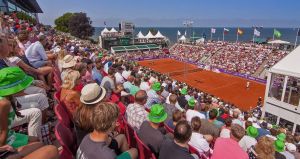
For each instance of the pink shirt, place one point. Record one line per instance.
(227, 148)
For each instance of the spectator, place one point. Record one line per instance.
(279, 148)
(176, 117)
(69, 96)
(225, 132)
(109, 84)
(213, 114)
(154, 95)
(94, 145)
(224, 147)
(264, 149)
(118, 76)
(68, 65)
(190, 113)
(249, 140)
(177, 149)
(91, 94)
(197, 140)
(235, 116)
(97, 72)
(182, 101)
(149, 131)
(170, 108)
(136, 113)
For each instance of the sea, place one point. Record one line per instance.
(287, 34)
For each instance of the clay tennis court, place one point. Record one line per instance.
(230, 88)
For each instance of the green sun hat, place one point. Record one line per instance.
(157, 114)
(183, 91)
(156, 86)
(252, 131)
(13, 80)
(279, 145)
(281, 137)
(192, 102)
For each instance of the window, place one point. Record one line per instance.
(297, 131)
(270, 118)
(11, 7)
(292, 93)
(286, 124)
(276, 87)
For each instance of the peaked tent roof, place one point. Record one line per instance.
(182, 38)
(105, 30)
(149, 35)
(289, 65)
(159, 35)
(113, 30)
(140, 35)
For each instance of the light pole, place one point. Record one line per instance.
(188, 24)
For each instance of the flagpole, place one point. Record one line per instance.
(210, 35)
(273, 36)
(237, 36)
(296, 38)
(223, 35)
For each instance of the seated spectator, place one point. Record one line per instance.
(197, 140)
(190, 113)
(176, 117)
(69, 96)
(87, 78)
(37, 55)
(292, 149)
(144, 84)
(263, 131)
(249, 139)
(118, 76)
(228, 148)
(135, 112)
(279, 149)
(170, 108)
(91, 94)
(149, 132)
(182, 101)
(264, 149)
(235, 116)
(97, 144)
(128, 84)
(97, 72)
(178, 148)
(69, 62)
(108, 83)
(154, 95)
(134, 88)
(225, 131)
(213, 118)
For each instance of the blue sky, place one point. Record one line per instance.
(204, 13)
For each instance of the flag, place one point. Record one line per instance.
(277, 33)
(204, 35)
(256, 32)
(240, 31)
(105, 23)
(213, 30)
(178, 33)
(226, 30)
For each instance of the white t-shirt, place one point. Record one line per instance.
(36, 52)
(119, 78)
(12, 61)
(125, 74)
(199, 143)
(225, 133)
(145, 86)
(246, 142)
(193, 113)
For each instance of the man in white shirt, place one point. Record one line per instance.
(190, 113)
(37, 55)
(249, 140)
(126, 72)
(118, 76)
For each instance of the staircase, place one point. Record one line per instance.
(261, 71)
(207, 59)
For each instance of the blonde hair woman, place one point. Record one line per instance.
(69, 96)
(264, 149)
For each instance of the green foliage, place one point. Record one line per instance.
(24, 16)
(153, 31)
(80, 26)
(62, 22)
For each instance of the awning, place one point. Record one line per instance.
(134, 48)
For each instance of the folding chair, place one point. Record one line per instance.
(66, 139)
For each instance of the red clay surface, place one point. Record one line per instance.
(230, 88)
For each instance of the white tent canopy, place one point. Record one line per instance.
(150, 35)
(159, 35)
(113, 30)
(140, 35)
(278, 42)
(105, 30)
(289, 65)
(182, 38)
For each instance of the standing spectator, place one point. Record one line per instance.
(228, 148)
(136, 113)
(178, 148)
(149, 132)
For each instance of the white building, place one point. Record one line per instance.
(283, 92)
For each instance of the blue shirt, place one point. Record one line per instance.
(96, 75)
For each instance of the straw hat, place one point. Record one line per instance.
(69, 61)
(92, 93)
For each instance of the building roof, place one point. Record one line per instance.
(289, 65)
(31, 5)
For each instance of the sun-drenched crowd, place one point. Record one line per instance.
(106, 106)
(244, 58)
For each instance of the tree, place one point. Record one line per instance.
(153, 31)
(62, 22)
(80, 26)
